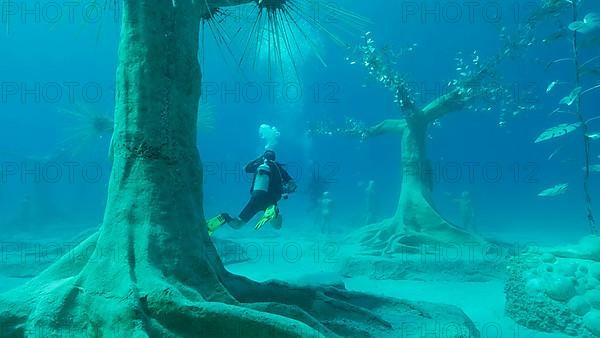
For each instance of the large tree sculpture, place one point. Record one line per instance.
(151, 269)
(416, 221)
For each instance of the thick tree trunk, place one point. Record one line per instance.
(155, 193)
(416, 221)
(415, 184)
(151, 270)
(416, 210)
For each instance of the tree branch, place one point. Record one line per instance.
(387, 127)
(451, 102)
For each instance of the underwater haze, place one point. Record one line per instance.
(300, 168)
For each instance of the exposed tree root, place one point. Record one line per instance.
(76, 297)
(392, 236)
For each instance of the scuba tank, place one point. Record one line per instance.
(261, 182)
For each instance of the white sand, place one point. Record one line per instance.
(316, 260)
(483, 302)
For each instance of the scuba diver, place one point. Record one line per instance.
(271, 183)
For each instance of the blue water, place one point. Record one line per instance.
(55, 166)
(86, 54)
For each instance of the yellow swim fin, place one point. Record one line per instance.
(215, 223)
(271, 213)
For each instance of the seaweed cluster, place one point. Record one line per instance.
(351, 127)
(477, 87)
(477, 84)
(380, 65)
(581, 28)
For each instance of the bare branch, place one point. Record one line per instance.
(448, 103)
(387, 127)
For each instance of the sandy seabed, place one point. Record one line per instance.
(318, 259)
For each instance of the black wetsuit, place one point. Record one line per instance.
(261, 200)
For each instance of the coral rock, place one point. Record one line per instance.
(592, 322)
(560, 289)
(579, 305)
(593, 298)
